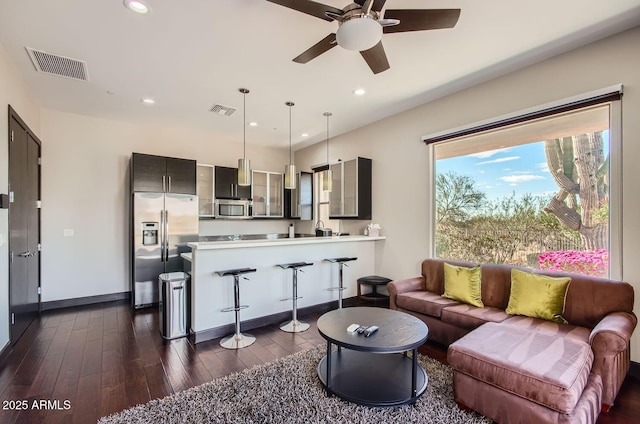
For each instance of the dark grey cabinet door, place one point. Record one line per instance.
(181, 176)
(159, 174)
(226, 184)
(148, 173)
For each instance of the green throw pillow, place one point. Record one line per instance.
(537, 296)
(463, 284)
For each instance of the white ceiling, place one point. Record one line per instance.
(190, 55)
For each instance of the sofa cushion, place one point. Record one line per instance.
(536, 365)
(537, 296)
(574, 332)
(469, 317)
(463, 284)
(424, 302)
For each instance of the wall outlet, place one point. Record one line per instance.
(68, 232)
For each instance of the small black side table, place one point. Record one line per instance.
(374, 281)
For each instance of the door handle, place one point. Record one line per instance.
(164, 188)
(169, 184)
(166, 235)
(162, 236)
(25, 254)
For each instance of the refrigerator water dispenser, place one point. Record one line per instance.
(150, 233)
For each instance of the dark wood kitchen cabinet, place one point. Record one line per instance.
(226, 184)
(162, 174)
(350, 197)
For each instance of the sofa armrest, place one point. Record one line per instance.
(404, 286)
(613, 333)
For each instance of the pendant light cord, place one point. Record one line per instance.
(244, 125)
(290, 105)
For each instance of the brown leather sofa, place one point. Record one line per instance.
(517, 369)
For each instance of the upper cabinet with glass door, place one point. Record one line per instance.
(351, 194)
(205, 190)
(268, 194)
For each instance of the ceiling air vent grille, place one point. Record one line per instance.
(58, 65)
(222, 110)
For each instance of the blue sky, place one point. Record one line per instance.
(499, 173)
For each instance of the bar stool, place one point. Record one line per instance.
(236, 340)
(294, 326)
(340, 288)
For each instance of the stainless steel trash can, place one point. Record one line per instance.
(173, 288)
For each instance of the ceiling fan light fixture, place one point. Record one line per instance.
(359, 33)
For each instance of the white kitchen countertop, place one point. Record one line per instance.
(237, 244)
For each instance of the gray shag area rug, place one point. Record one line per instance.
(289, 391)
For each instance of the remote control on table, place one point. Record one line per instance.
(361, 329)
(369, 331)
(352, 328)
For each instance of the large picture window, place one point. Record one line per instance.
(535, 193)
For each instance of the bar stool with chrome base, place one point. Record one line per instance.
(294, 326)
(341, 287)
(236, 340)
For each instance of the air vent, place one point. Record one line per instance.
(58, 65)
(222, 110)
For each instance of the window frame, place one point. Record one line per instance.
(611, 95)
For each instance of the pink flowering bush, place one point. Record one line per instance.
(587, 262)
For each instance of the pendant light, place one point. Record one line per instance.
(327, 175)
(290, 170)
(244, 164)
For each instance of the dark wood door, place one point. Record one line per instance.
(148, 172)
(181, 176)
(24, 226)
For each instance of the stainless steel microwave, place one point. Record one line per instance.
(232, 209)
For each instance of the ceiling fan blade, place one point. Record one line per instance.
(317, 49)
(376, 58)
(421, 19)
(309, 7)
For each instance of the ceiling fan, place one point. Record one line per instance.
(361, 26)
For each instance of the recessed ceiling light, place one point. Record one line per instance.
(137, 6)
(359, 91)
(148, 101)
(304, 135)
(253, 124)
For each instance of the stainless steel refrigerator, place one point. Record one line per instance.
(163, 224)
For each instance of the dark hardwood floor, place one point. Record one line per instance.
(92, 361)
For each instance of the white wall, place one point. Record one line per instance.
(401, 166)
(12, 92)
(85, 186)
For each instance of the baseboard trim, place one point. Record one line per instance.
(634, 370)
(280, 317)
(88, 300)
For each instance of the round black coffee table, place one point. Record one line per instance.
(375, 370)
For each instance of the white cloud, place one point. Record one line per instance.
(499, 160)
(488, 153)
(514, 179)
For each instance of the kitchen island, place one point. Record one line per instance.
(266, 288)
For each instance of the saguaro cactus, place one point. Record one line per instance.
(579, 167)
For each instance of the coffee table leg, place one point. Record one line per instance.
(414, 372)
(328, 366)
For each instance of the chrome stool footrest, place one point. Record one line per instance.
(233, 308)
